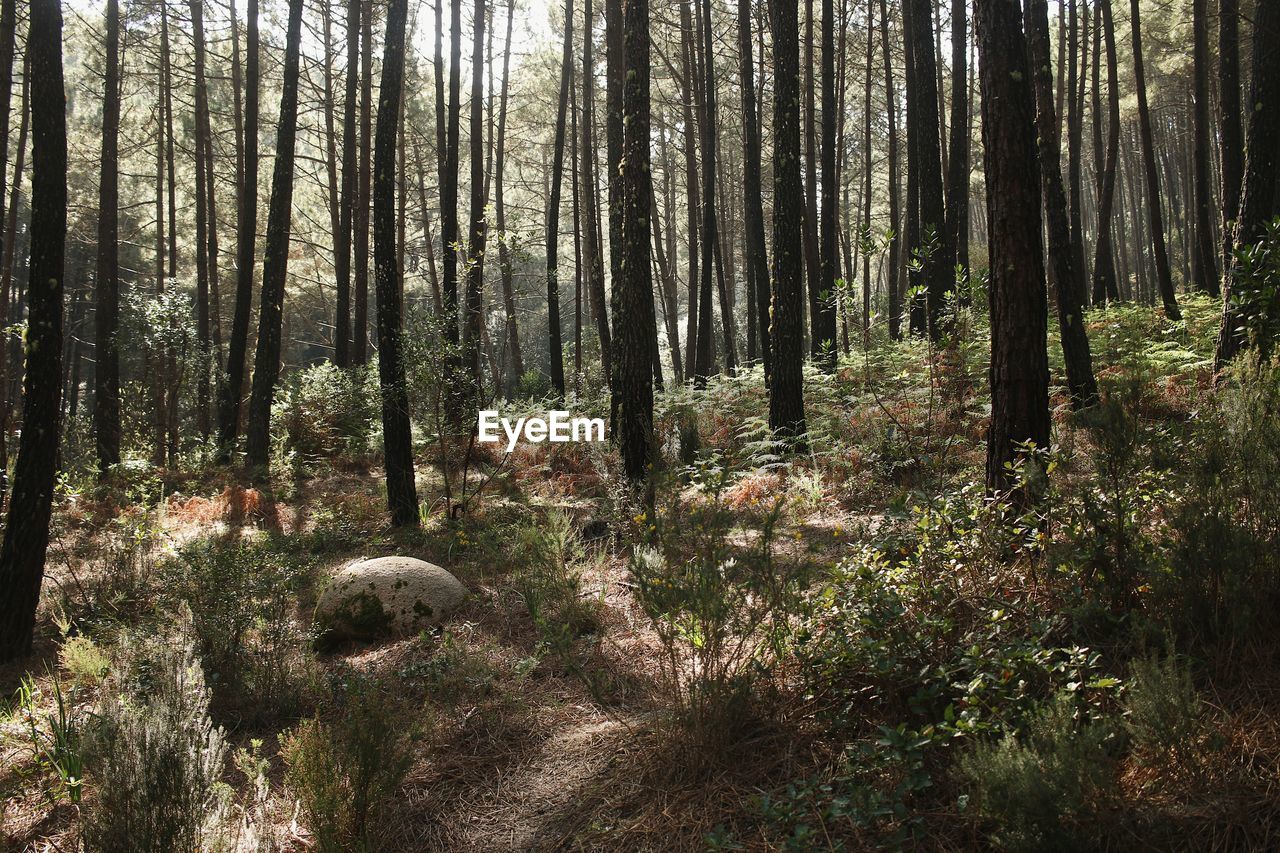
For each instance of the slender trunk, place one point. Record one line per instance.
(812, 261)
(692, 196)
(8, 36)
(360, 297)
(895, 240)
(1205, 271)
(1232, 134)
(342, 239)
(828, 246)
(592, 250)
(1075, 340)
(957, 212)
(402, 495)
(266, 368)
(755, 253)
(106, 397)
(1076, 76)
(479, 231)
(246, 237)
(516, 359)
(923, 117)
(26, 534)
(1104, 269)
(202, 222)
(1164, 278)
(556, 346)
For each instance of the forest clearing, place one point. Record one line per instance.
(834, 426)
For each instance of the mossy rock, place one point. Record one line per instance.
(386, 597)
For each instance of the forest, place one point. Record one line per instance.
(655, 425)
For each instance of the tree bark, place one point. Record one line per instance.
(828, 224)
(592, 250)
(1164, 278)
(1258, 197)
(1205, 268)
(633, 378)
(957, 212)
(26, 535)
(895, 240)
(342, 240)
(479, 232)
(275, 263)
(516, 359)
(556, 346)
(106, 397)
(924, 120)
(246, 238)
(756, 255)
(1232, 133)
(1104, 269)
(360, 297)
(1075, 340)
(786, 389)
(1019, 371)
(402, 495)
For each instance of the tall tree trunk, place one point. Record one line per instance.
(342, 240)
(895, 240)
(1075, 340)
(1019, 372)
(275, 263)
(957, 213)
(246, 237)
(516, 359)
(1104, 267)
(1164, 278)
(693, 199)
(633, 378)
(705, 363)
(786, 387)
(26, 534)
(1076, 76)
(449, 185)
(106, 397)
(556, 346)
(828, 246)
(202, 221)
(402, 495)
(8, 37)
(1258, 199)
(1232, 133)
(592, 250)
(866, 186)
(479, 232)
(812, 261)
(360, 329)
(756, 255)
(1205, 270)
(923, 119)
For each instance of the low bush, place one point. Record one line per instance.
(155, 756)
(346, 767)
(325, 410)
(1043, 789)
(1164, 714)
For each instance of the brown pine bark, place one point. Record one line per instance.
(402, 495)
(478, 235)
(275, 263)
(1075, 340)
(828, 246)
(556, 345)
(246, 238)
(895, 241)
(786, 389)
(633, 377)
(342, 240)
(1164, 278)
(106, 397)
(26, 534)
(755, 253)
(1019, 371)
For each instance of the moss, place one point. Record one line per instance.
(359, 615)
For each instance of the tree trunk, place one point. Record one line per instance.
(824, 323)
(360, 327)
(923, 119)
(1164, 278)
(1258, 198)
(1104, 269)
(203, 224)
(516, 359)
(402, 495)
(1019, 372)
(786, 388)
(1232, 134)
(1076, 75)
(106, 397)
(26, 534)
(478, 233)
(342, 240)
(1075, 340)
(592, 250)
(895, 241)
(556, 346)
(633, 378)
(1205, 269)
(957, 213)
(275, 263)
(756, 255)
(246, 237)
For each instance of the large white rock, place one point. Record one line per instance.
(387, 596)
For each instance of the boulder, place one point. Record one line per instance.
(386, 597)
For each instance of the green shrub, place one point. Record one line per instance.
(722, 610)
(1043, 789)
(57, 741)
(243, 597)
(155, 756)
(83, 660)
(1163, 712)
(325, 410)
(346, 767)
(550, 578)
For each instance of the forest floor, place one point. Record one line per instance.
(522, 741)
